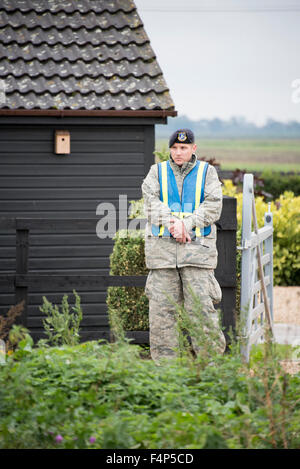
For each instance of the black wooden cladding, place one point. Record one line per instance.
(105, 161)
(109, 156)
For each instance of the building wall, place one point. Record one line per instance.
(105, 161)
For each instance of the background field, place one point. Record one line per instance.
(250, 154)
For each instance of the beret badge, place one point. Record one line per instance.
(182, 136)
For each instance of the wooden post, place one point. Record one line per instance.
(245, 306)
(21, 292)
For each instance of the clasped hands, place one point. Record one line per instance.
(178, 231)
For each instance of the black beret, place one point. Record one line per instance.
(182, 136)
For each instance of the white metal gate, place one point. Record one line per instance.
(256, 272)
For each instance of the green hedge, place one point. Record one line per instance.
(128, 258)
(276, 183)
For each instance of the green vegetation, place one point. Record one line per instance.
(109, 395)
(276, 184)
(261, 166)
(62, 327)
(128, 258)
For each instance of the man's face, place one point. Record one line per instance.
(182, 152)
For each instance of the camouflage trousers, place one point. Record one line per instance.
(164, 287)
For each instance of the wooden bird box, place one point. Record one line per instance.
(62, 141)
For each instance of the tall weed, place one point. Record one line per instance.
(62, 327)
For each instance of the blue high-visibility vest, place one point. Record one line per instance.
(192, 195)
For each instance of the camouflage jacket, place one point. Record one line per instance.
(166, 252)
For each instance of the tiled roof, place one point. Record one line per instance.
(78, 54)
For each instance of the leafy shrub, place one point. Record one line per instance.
(137, 209)
(128, 258)
(286, 237)
(62, 327)
(276, 183)
(163, 154)
(286, 220)
(16, 334)
(100, 395)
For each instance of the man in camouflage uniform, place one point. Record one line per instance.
(180, 259)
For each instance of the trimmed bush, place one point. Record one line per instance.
(128, 258)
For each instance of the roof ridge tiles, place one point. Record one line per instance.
(68, 6)
(92, 10)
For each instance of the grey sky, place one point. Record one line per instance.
(232, 62)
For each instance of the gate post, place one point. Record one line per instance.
(257, 255)
(246, 260)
